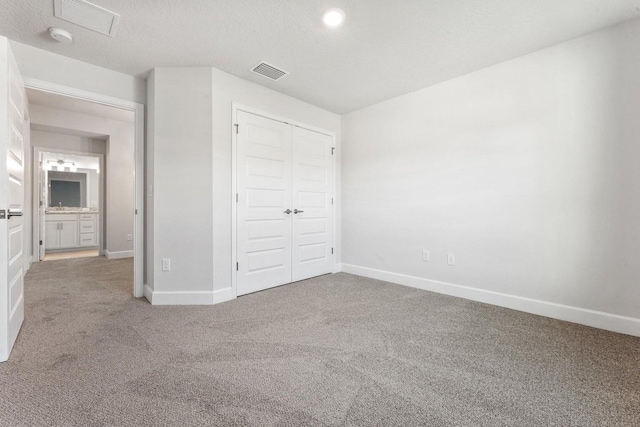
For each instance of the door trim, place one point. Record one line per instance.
(235, 107)
(138, 109)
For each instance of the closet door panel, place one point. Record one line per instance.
(264, 171)
(312, 193)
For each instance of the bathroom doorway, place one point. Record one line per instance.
(71, 197)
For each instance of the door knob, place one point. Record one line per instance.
(296, 211)
(288, 211)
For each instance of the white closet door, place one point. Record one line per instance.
(312, 192)
(264, 195)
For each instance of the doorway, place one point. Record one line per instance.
(284, 201)
(70, 190)
(113, 228)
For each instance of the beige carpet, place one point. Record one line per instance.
(336, 350)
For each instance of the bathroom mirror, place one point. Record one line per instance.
(67, 189)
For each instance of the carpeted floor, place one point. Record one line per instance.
(335, 350)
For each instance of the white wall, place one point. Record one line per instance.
(179, 147)
(189, 157)
(50, 67)
(149, 218)
(119, 203)
(53, 141)
(527, 171)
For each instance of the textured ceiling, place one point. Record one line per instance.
(46, 99)
(383, 50)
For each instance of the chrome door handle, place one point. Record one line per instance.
(296, 211)
(288, 211)
(14, 213)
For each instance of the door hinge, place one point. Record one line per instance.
(136, 211)
(40, 242)
(237, 266)
(237, 126)
(332, 150)
(237, 198)
(331, 251)
(332, 200)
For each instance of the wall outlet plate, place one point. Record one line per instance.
(166, 264)
(426, 257)
(451, 259)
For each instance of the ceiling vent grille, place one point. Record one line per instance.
(87, 15)
(268, 71)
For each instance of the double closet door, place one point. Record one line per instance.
(284, 203)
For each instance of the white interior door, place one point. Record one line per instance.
(12, 252)
(284, 214)
(263, 199)
(312, 200)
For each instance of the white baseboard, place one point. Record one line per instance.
(118, 255)
(148, 293)
(224, 295)
(181, 298)
(189, 297)
(596, 319)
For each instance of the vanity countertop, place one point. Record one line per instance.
(70, 211)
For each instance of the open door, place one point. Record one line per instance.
(12, 197)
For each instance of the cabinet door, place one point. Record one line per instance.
(69, 234)
(51, 235)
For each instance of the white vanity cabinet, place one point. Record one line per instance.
(52, 235)
(70, 230)
(87, 230)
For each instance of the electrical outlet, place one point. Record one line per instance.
(426, 257)
(129, 237)
(451, 259)
(166, 264)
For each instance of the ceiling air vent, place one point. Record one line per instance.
(87, 15)
(268, 71)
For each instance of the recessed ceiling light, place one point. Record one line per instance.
(60, 35)
(333, 17)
